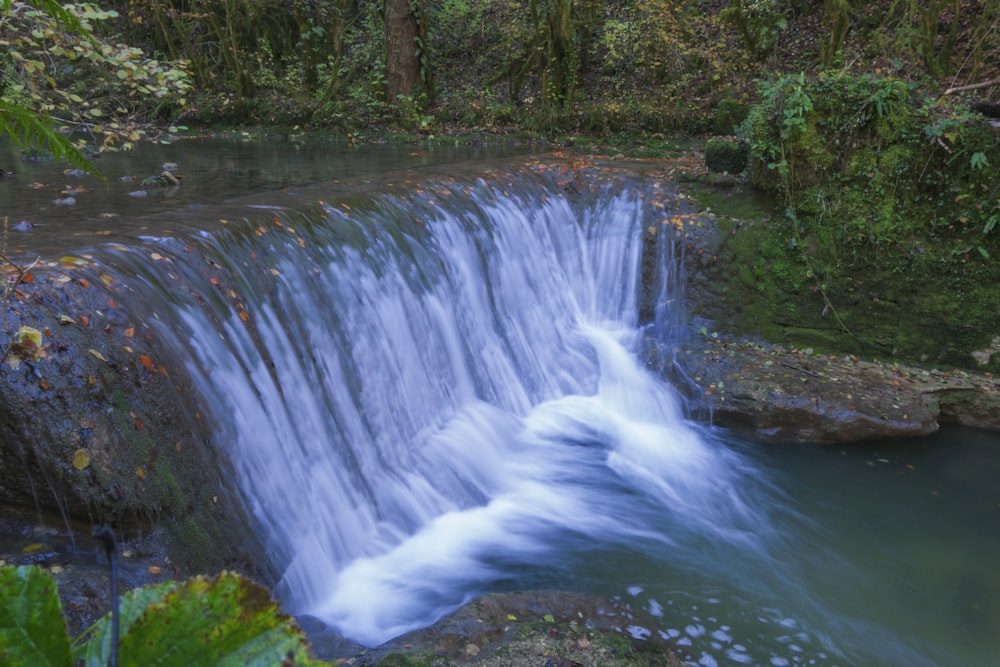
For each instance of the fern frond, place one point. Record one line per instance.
(31, 130)
(55, 9)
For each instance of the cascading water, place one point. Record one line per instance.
(437, 395)
(425, 409)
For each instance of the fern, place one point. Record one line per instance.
(55, 9)
(31, 130)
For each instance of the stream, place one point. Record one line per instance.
(429, 387)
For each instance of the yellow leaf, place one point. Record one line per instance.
(97, 354)
(140, 472)
(157, 256)
(32, 547)
(29, 337)
(81, 459)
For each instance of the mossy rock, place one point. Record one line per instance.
(727, 154)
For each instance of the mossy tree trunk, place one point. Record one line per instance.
(406, 61)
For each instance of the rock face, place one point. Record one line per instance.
(776, 394)
(95, 425)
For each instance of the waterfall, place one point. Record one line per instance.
(429, 395)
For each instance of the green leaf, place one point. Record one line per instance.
(226, 621)
(94, 646)
(32, 630)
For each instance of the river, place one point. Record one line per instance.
(441, 396)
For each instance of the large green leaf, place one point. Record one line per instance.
(94, 646)
(32, 630)
(225, 621)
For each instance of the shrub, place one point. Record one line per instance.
(724, 154)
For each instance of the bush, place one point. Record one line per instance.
(729, 114)
(724, 154)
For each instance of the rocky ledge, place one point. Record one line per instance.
(527, 629)
(772, 393)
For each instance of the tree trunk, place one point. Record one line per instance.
(402, 63)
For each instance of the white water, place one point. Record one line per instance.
(421, 416)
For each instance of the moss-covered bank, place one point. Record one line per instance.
(882, 241)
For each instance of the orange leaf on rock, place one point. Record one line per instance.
(147, 362)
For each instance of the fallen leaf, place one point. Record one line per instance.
(81, 459)
(147, 362)
(154, 569)
(97, 354)
(130, 332)
(66, 319)
(32, 548)
(29, 338)
(140, 472)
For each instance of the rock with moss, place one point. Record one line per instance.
(95, 423)
(884, 242)
(532, 629)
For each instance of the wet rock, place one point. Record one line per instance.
(786, 395)
(95, 427)
(530, 629)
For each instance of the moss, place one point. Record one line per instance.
(729, 114)
(414, 659)
(728, 155)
